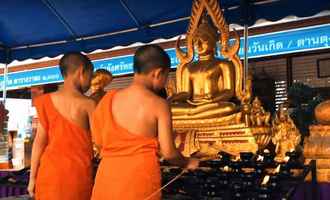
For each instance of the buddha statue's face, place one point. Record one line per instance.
(205, 39)
(256, 103)
(204, 44)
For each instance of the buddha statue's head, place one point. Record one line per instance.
(256, 103)
(283, 114)
(205, 38)
(101, 78)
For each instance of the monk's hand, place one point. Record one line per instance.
(192, 164)
(31, 187)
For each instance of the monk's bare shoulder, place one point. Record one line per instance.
(90, 104)
(87, 103)
(158, 103)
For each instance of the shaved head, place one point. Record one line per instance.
(71, 61)
(150, 57)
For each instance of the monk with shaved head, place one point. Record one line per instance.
(131, 126)
(61, 167)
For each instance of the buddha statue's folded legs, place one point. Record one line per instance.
(218, 109)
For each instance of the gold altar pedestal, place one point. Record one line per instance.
(207, 137)
(317, 147)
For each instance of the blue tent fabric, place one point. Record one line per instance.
(38, 28)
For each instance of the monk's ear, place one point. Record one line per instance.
(152, 73)
(81, 70)
(158, 72)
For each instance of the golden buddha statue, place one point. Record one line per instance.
(259, 116)
(206, 86)
(101, 78)
(286, 136)
(205, 118)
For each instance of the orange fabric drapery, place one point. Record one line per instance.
(65, 170)
(129, 168)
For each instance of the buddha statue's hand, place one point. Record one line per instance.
(179, 97)
(209, 98)
(225, 95)
(200, 102)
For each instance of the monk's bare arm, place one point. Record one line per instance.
(165, 136)
(38, 148)
(90, 108)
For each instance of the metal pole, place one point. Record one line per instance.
(246, 61)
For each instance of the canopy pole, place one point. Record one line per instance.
(5, 77)
(246, 61)
(4, 87)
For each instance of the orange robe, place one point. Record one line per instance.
(129, 169)
(65, 171)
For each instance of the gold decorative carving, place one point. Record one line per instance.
(286, 136)
(259, 117)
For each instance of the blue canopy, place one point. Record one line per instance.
(39, 28)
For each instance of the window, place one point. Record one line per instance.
(323, 68)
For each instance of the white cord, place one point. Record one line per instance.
(167, 184)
